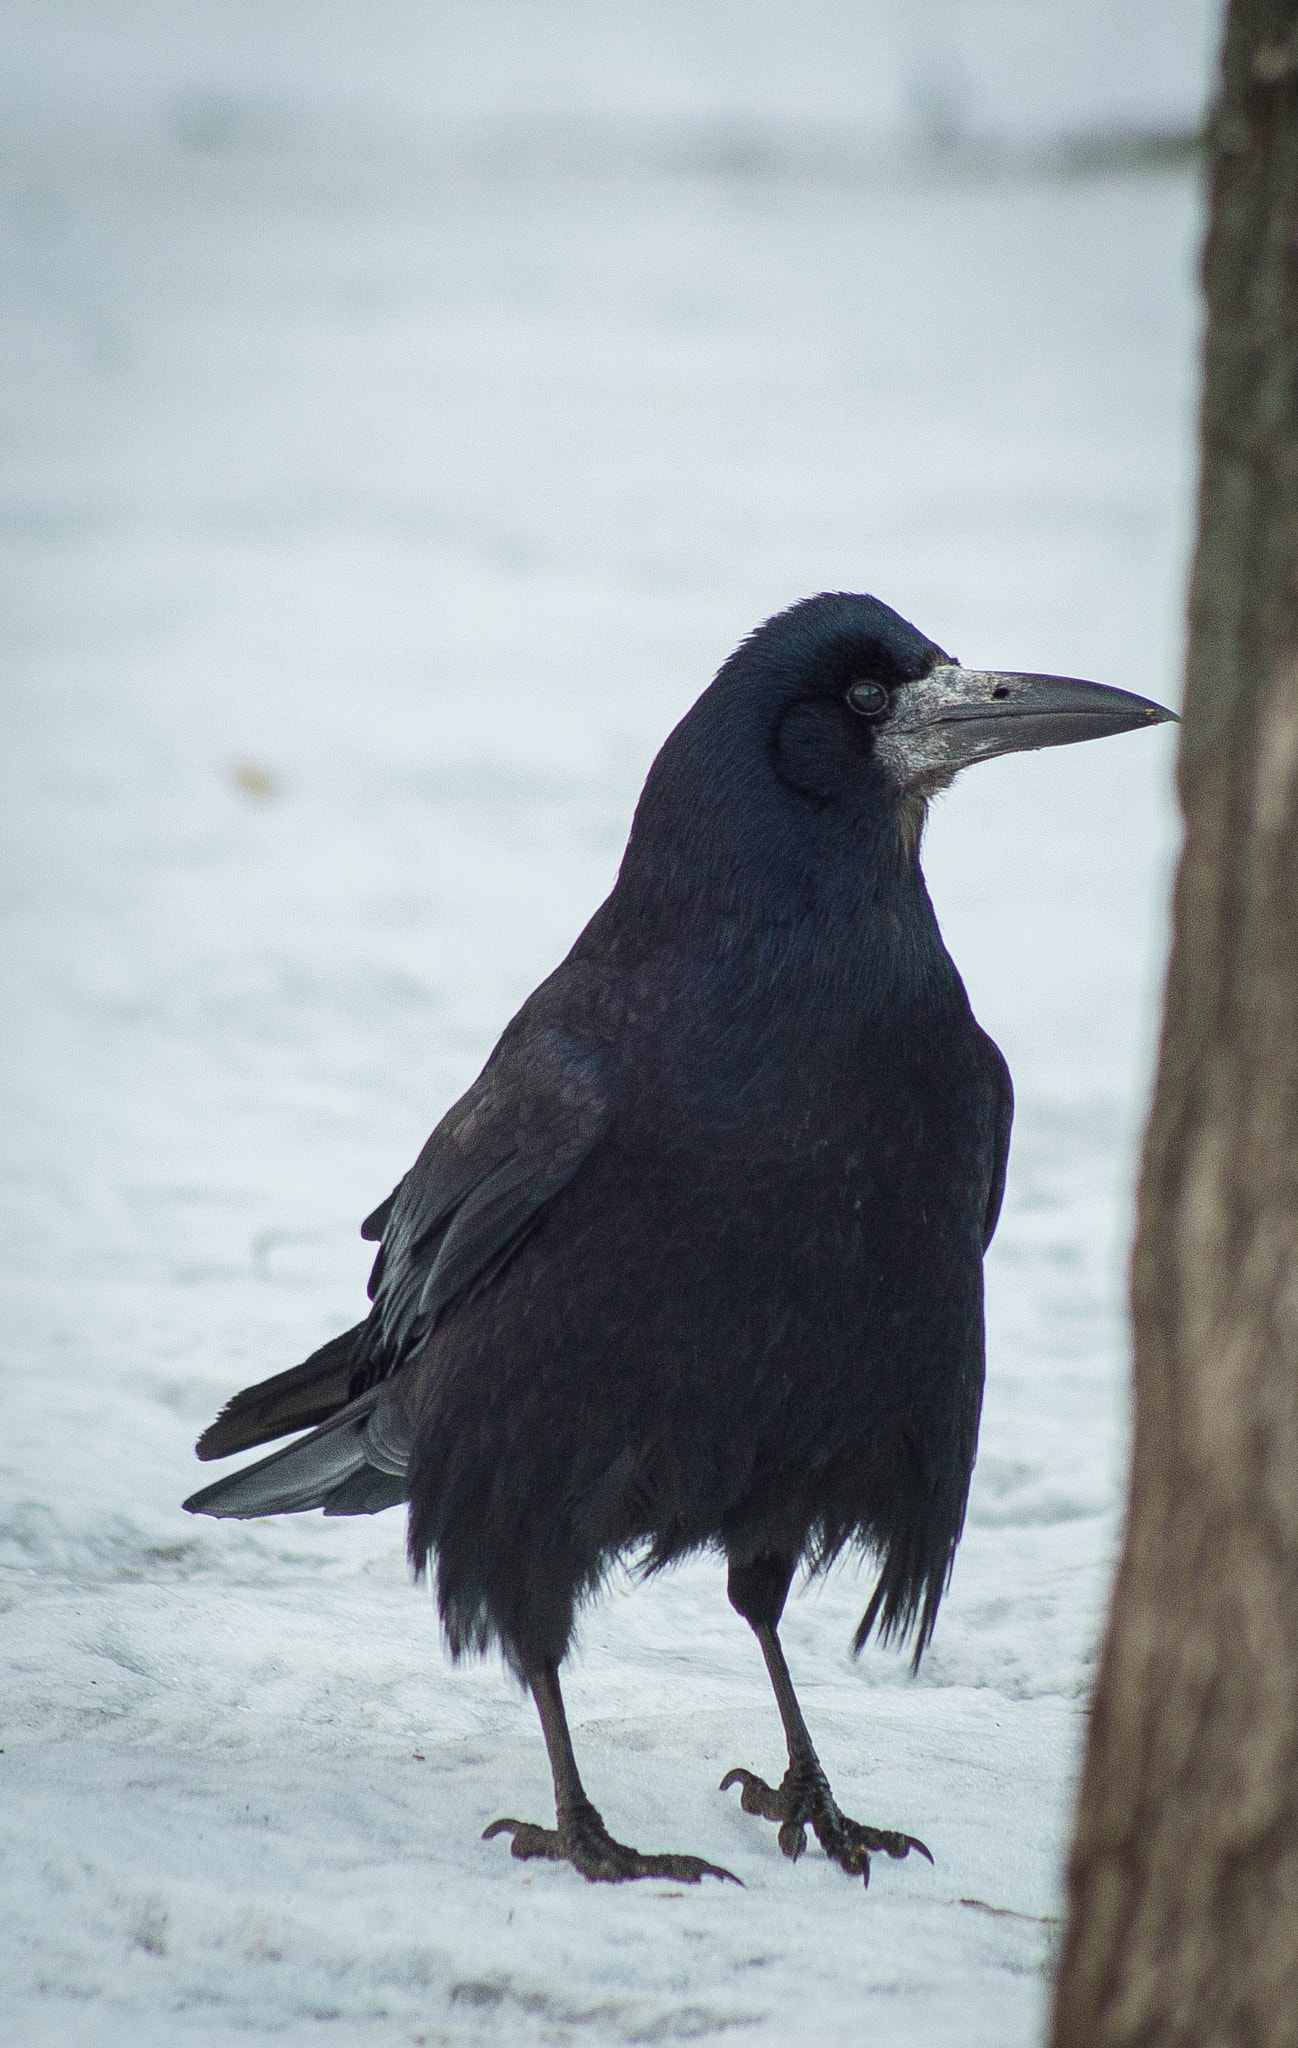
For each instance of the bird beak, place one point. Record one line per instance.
(954, 716)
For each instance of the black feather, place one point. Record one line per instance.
(367, 1492)
(376, 1222)
(298, 1399)
(300, 1477)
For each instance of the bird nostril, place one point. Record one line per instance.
(1001, 690)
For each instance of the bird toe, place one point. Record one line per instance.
(528, 1839)
(756, 1796)
(803, 1799)
(792, 1839)
(590, 1848)
(851, 1845)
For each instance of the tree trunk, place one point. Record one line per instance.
(1184, 1875)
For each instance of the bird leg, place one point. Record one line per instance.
(581, 1838)
(803, 1793)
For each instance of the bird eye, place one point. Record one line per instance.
(868, 699)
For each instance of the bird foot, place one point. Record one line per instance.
(586, 1843)
(804, 1796)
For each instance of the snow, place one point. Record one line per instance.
(366, 528)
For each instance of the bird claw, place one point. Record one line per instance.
(756, 1795)
(803, 1796)
(587, 1844)
(792, 1839)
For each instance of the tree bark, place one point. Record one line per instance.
(1183, 1882)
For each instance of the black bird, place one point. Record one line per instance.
(696, 1263)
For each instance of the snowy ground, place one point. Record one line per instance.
(364, 534)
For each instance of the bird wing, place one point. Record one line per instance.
(478, 1188)
(476, 1192)
(1001, 1156)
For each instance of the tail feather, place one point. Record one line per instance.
(336, 1467)
(327, 1469)
(300, 1398)
(367, 1492)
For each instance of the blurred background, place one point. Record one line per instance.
(404, 410)
(709, 80)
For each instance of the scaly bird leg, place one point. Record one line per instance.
(803, 1794)
(581, 1837)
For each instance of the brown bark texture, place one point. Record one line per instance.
(1183, 1920)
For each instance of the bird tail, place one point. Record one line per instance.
(354, 1464)
(916, 1573)
(301, 1398)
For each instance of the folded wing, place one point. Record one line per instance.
(478, 1190)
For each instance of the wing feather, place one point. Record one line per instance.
(491, 1167)
(475, 1194)
(1001, 1159)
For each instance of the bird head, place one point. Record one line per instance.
(838, 720)
(861, 684)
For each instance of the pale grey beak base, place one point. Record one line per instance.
(954, 716)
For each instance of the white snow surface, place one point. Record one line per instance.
(364, 534)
